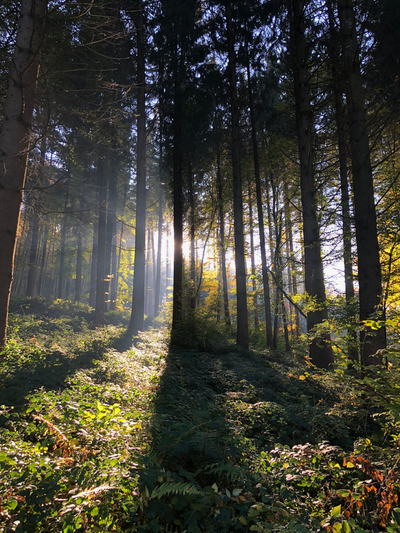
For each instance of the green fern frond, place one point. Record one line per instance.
(231, 471)
(173, 488)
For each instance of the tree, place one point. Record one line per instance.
(369, 268)
(15, 138)
(137, 316)
(242, 337)
(320, 350)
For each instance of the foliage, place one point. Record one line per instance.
(182, 439)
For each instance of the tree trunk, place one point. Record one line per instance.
(266, 289)
(93, 266)
(78, 273)
(253, 262)
(32, 267)
(320, 350)
(177, 302)
(43, 259)
(369, 268)
(101, 283)
(62, 250)
(242, 337)
(192, 288)
(159, 243)
(136, 323)
(222, 237)
(15, 139)
(344, 186)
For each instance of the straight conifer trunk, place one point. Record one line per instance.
(369, 268)
(15, 139)
(43, 259)
(320, 350)
(222, 238)
(93, 266)
(192, 289)
(101, 284)
(136, 323)
(62, 250)
(264, 268)
(177, 298)
(78, 272)
(159, 244)
(344, 184)
(32, 268)
(242, 337)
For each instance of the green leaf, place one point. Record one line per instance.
(336, 511)
(95, 511)
(12, 504)
(346, 527)
(236, 492)
(243, 520)
(337, 528)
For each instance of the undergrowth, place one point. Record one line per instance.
(187, 439)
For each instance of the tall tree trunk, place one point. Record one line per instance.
(369, 268)
(192, 289)
(111, 226)
(93, 266)
(261, 231)
(101, 283)
(15, 139)
(222, 237)
(320, 350)
(242, 337)
(78, 272)
(43, 259)
(62, 250)
(177, 299)
(159, 243)
(32, 267)
(253, 261)
(344, 185)
(136, 323)
(291, 265)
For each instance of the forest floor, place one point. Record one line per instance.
(97, 437)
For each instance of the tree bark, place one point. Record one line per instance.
(62, 250)
(222, 238)
(78, 272)
(320, 350)
(43, 259)
(344, 185)
(261, 231)
(253, 262)
(101, 283)
(177, 299)
(136, 323)
(15, 139)
(369, 268)
(32, 267)
(242, 337)
(192, 288)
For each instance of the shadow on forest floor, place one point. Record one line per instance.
(212, 408)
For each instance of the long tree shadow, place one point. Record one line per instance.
(215, 413)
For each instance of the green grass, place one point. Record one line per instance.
(174, 439)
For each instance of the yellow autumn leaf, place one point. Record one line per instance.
(302, 378)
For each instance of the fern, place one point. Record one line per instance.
(231, 471)
(173, 488)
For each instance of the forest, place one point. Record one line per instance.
(199, 266)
